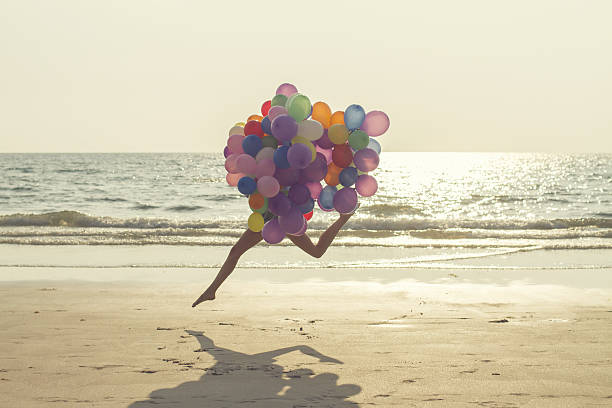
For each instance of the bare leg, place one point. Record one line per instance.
(326, 238)
(247, 241)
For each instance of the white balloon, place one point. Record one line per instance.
(265, 153)
(237, 130)
(310, 129)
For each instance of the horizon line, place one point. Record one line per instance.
(386, 151)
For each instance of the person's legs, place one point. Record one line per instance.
(325, 240)
(247, 241)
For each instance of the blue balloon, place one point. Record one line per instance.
(280, 157)
(374, 145)
(326, 198)
(348, 176)
(252, 144)
(307, 206)
(247, 185)
(266, 125)
(353, 117)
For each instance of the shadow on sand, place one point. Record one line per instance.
(254, 380)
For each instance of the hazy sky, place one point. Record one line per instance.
(125, 75)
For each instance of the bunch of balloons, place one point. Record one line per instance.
(279, 159)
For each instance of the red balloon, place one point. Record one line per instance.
(253, 127)
(308, 215)
(266, 107)
(342, 156)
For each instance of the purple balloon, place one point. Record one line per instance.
(279, 204)
(292, 222)
(302, 230)
(284, 128)
(324, 141)
(286, 89)
(299, 156)
(345, 200)
(226, 152)
(272, 233)
(299, 194)
(366, 185)
(315, 171)
(286, 177)
(366, 160)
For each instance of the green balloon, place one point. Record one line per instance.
(298, 106)
(358, 139)
(279, 100)
(269, 141)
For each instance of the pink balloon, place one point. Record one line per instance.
(246, 164)
(234, 142)
(232, 178)
(366, 160)
(345, 200)
(265, 167)
(366, 185)
(325, 152)
(268, 186)
(230, 164)
(276, 111)
(375, 123)
(272, 233)
(286, 89)
(315, 189)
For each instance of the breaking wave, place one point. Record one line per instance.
(77, 219)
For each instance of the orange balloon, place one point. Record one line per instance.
(255, 117)
(337, 117)
(334, 169)
(321, 112)
(256, 201)
(332, 179)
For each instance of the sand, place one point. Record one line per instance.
(305, 338)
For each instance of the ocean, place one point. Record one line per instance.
(461, 204)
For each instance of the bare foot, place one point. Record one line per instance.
(207, 295)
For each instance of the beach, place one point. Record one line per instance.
(469, 279)
(76, 336)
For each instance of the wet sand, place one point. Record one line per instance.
(305, 338)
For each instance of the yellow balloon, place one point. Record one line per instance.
(308, 143)
(256, 222)
(239, 124)
(338, 134)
